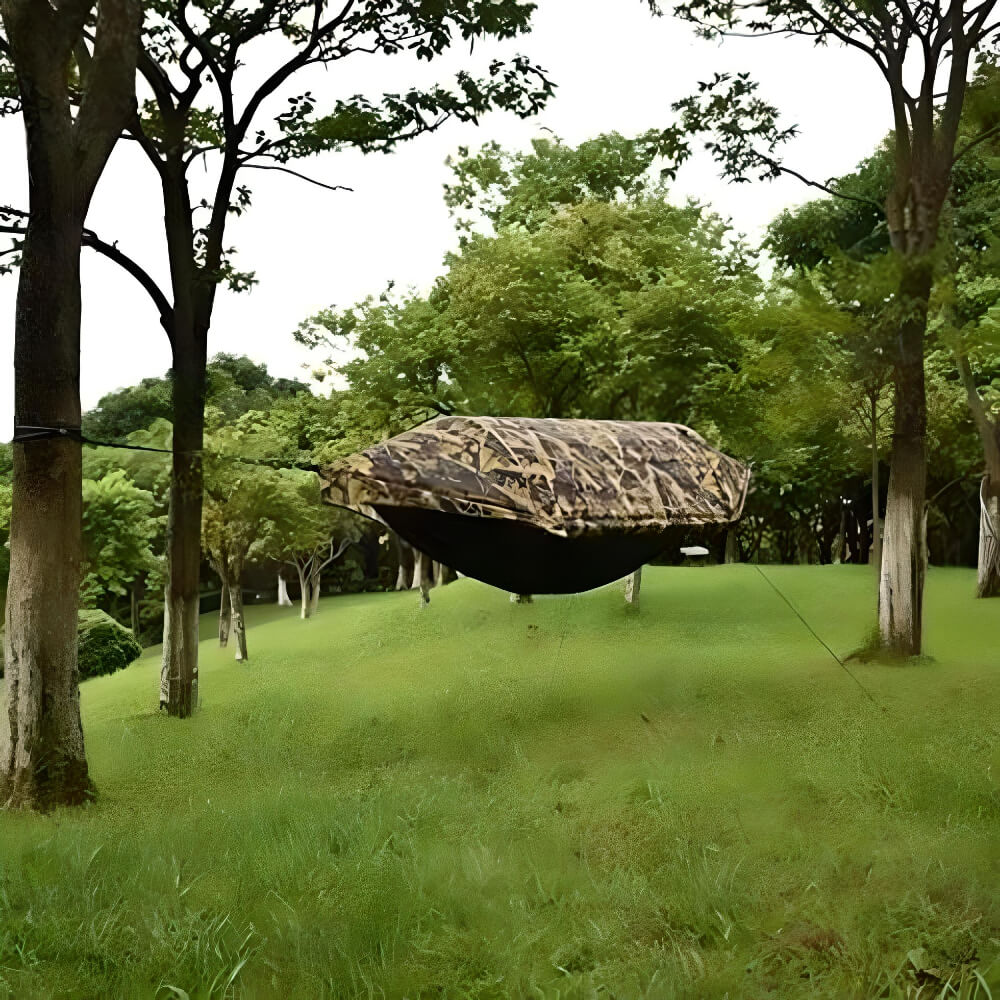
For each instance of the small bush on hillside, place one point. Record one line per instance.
(105, 646)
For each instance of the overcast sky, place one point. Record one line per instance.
(616, 69)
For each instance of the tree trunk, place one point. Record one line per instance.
(875, 553)
(192, 309)
(304, 603)
(632, 586)
(225, 613)
(732, 546)
(239, 625)
(419, 560)
(988, 576)
(137, 592)
(42, 757)
(284, 601)
(422, 576)
(179, 670)
(901, 585)
(404, 577)
(314, 593)
(838, 551)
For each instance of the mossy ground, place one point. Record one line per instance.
(562, 799)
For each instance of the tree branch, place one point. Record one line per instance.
(969, 146)
(295, 173)
(111, 251)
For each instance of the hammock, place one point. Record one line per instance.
(540, 506)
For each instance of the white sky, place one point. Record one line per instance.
(616, 69)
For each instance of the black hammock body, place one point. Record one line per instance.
(537, 506)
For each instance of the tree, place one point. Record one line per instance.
(608, 309)
(204, 109)
(316, 536)
(972, 299)
(119, 528)
(233, 384)
(240, 507)
(745, 136)
(76, 97)
(851, 236)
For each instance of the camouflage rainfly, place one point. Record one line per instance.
(541, 506)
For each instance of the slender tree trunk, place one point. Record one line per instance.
(284, 601)
(189, 346)
(901, 585)
(632, 587)
(137, 592)
(179, 670)
(732, 546)
(314, 593)
(225, 613)
(422, 576)
(875, 553)
(304, 602)
(988, 575)
(838, 551)
(239, 623)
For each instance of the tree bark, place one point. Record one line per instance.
(732, 546)
(988, 575)
(632, 587)
(304, 602)
(239, 624)
(875, 553)
(404, 555)
(284, 601)
(225, 613)
(314, 593)
(422, 576)
(901, 585)
(42, 758)
(179, 670)
(137, 592)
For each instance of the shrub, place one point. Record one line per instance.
(105, 646)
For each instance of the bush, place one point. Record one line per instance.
(105, 646)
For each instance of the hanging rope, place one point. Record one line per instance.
(843, 666)
(24, 433)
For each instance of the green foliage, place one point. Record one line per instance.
(105, 646)
(518, 188)
(601, 308)
(234, 385)
(560, 799)
(119, 528)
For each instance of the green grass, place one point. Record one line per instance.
(559, 800)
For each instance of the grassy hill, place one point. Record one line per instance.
(565, 799)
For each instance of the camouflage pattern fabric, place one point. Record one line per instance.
(571, 478)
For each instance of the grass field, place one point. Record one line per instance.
(559, 800)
